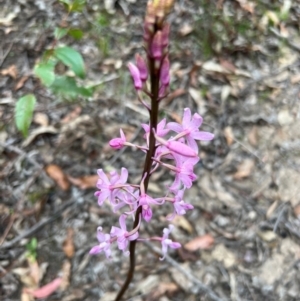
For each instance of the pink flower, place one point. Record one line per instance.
(189, 129)
(135, 74)
(109, 189)
(118, 143)
(180, 207)
(123, 236)
(184, 172)
(160, 131)
(145, 200)
(104, 240)
(125, 197)
(166, 242)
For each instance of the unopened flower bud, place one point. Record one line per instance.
(135, 73)
(141, 65)
(156, 46)
(150, 13)
(165, 72)
(118, 143)
(165, 35)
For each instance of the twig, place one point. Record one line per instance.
(18, 206)
(6, 53)
(22, 153)
(290, 43)
(202, 287)
(38, 226)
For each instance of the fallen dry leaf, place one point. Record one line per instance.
(34, 271)
(227, 65)
(253, 136)
(200, 243)
(247, 6)
(297, 211)
(7, 21)
(68, 246)
(66, 272)
(182, 222)
(41, 119)
(199, 100)
(85, 181)
(186, 29)
(72, 115)
(224, 255)
(295, 79)
(45, 290)
(228, 133)
(164, 288)
(39, 131)
(244, 169)
(212, 66)
(26, 297)
(57, 174)
(21, 82)
(11, 71)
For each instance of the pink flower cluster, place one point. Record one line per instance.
(168, 145)
(179, 154)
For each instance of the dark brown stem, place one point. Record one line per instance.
(154, 79)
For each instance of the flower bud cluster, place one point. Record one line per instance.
(178, 154)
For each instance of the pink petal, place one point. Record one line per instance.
(196, 121)
(95, 250)
(186, 117)
(174, 126)
(147, 213)
(146, 127)
(133, 236)
(122, 135)
(124, 175)
(192, 143)
(175, 245)
(122, 222)
(103, 176)
(103, 196)
(100, 235)
(115, 231)
(204, 136)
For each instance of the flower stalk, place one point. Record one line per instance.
(181, 149)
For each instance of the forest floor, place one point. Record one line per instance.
(236, 63)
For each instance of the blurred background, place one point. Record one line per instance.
(65, 91)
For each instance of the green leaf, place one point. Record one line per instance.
(45, 72)
(77, 5)
(60, 32)
(23, 113)
(71, 58)
(67, 88)
(77, 34)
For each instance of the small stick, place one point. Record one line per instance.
(202, 287)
